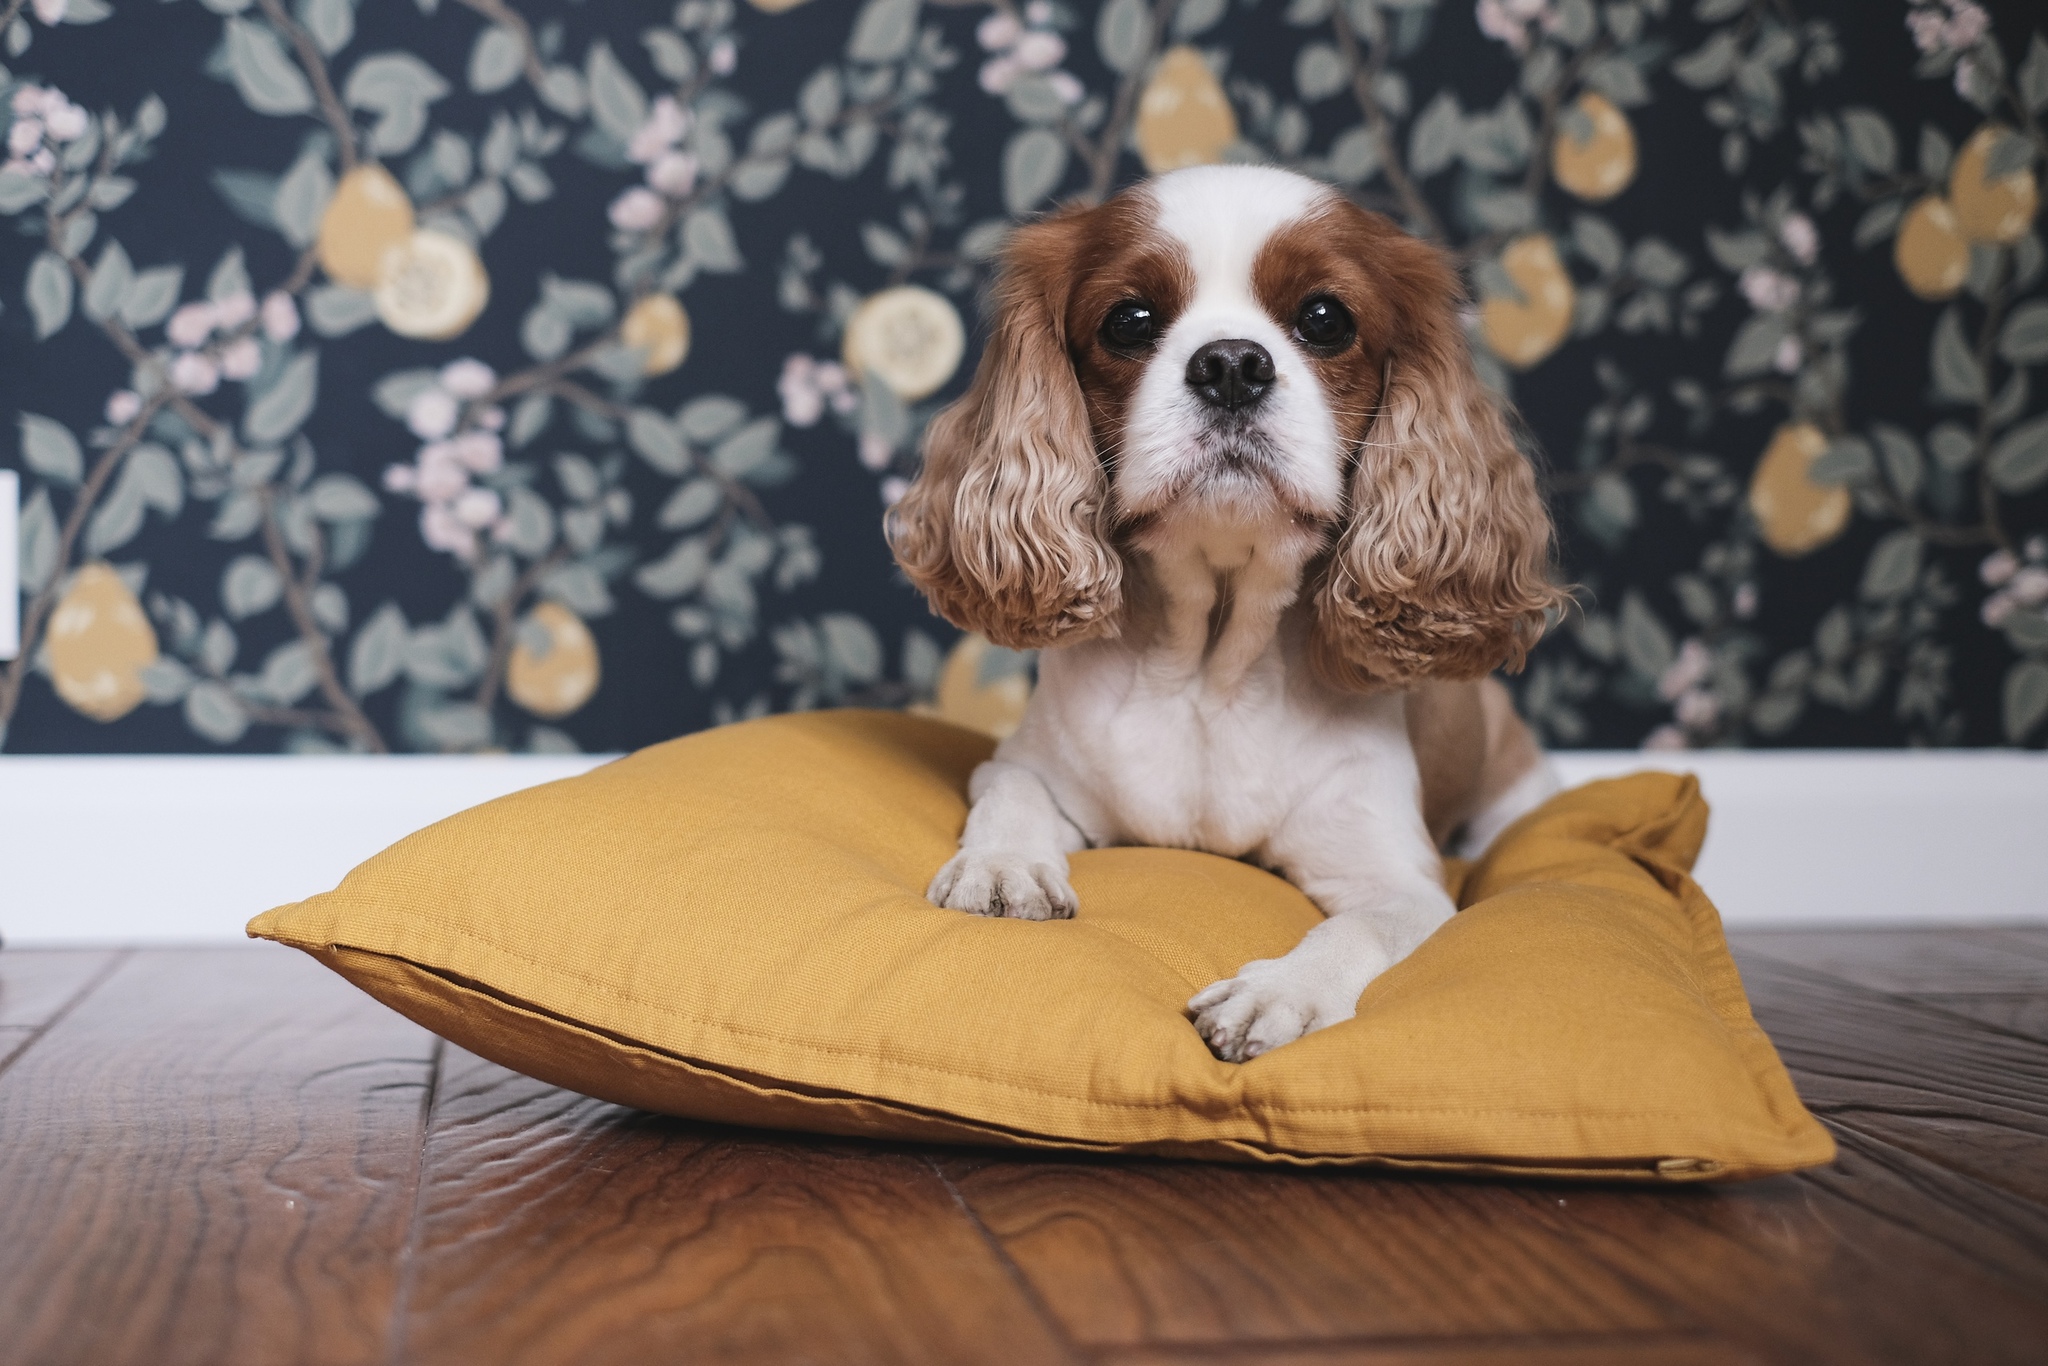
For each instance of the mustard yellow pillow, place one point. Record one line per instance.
(732, 926)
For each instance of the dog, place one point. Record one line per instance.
(1227, 464)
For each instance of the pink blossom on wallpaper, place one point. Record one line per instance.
(482, 452)
(876, 452)
(1039, 51)
(432, 414)
(1787, 358)
(401, 478)
(1686, 670)
(1998, 566)
(673, 174)
(280, 316)
(998, 31)
(2029, 586)
(478, 508)
(236, 309)
(1745, 603)
(468, 377)
(122, 406)
(1768, 290)
(1996, 609)
(1067, 86)
(1697, 710)
(241, 358)
(24, 137)
(51, 12)
(998, 74)
(442, 530)
(666, 123)
(191, 325)
(1665, 738)
(808, 384)
(1800, 237)
(441, 476)
(192, 373)
(637, 210)
(893, 489)
(724, 58)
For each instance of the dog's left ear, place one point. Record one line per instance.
(1443, 569)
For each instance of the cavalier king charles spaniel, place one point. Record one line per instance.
(1227, 464)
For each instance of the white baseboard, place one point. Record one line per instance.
(164, 848)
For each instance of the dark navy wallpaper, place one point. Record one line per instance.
(522, 374)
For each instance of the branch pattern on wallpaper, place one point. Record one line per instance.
(1773, 549)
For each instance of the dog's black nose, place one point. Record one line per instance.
(1230, 374)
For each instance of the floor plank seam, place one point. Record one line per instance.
(37, 1032)
(1016, 1274)
(401, 1300)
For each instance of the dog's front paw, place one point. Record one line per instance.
(999, 884)
(1270, 1002)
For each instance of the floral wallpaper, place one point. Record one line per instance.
(458, 375)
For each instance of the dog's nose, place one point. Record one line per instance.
(1230, 374)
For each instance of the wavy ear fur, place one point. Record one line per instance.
(1443, 570)
(1004, 529)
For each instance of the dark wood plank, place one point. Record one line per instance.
(1907, 961)
(1969, 1098)
(554, 1228)
(1154, 1252)
(209, 1160)
(35, 984)
(1606, 1351)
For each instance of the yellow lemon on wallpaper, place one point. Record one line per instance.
(993, 706)
(367, 217)
(1600, 165)
(1795, 514)
(776, 6)
(99, 644)
(909, 338)
(1523, 331)
(1930, 252)
(554, 667)
(431, 287)
(1990, 210)
(1184, 118)
(660, 330)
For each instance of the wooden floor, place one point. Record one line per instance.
(230, 1156)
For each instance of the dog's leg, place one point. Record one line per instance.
(1364, 857)
(1013, 854)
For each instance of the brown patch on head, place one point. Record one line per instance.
(1006, 529)
(1442, 570)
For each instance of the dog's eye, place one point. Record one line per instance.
(1131, 325)
(1324, 323)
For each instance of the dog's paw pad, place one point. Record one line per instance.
(1004, 885)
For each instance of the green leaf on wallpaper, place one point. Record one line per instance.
(2025, 695)
(2033, 75)
(1433, 140)
(1123, 34)
(397, 87)
(378, 651)
(579, 588)
(337, 310)
(1904, 467)
(50, 293)
(1319, 72)
(278, 411)
(48, 448)
(1871, 140)
(1620, 80)
(1879, 221)
(656, 441)
(690, 505)
(884, 31)
(2019, 462)
(532, 523)
(330, 23)
(289, 673)
(561, 89)
(708, 233)
(1034, 162)
(2024, 338)
(671, 56)
(268, 80)
(448, 655)
(108, 283)
(240, 513)
(1847, 460)
(1196, 17)
(1354, 156)
(215, 712)
(342, 498)
(18, 191)
(301, 197)
(704, 420)
(617, 102)
(1755, 345)
(115, 521)
(330, 607)
(39, 536)
(495, 60)
(744, 452)
(1034, 99)
(167, 680)
(152, 295)
(250, 584)
(1957, 376)
(677, 572)
(395, 392)
(1645, 644)
(249, 194)
(529, 418)
(1893, 566)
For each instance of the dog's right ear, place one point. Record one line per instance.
(1004, 529)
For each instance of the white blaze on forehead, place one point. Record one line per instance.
(1222, 215)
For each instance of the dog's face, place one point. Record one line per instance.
(1233, 342)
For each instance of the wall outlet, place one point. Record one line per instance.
(10, 564)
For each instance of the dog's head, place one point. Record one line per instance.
(1233, 342)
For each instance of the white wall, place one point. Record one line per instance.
(180, 848)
